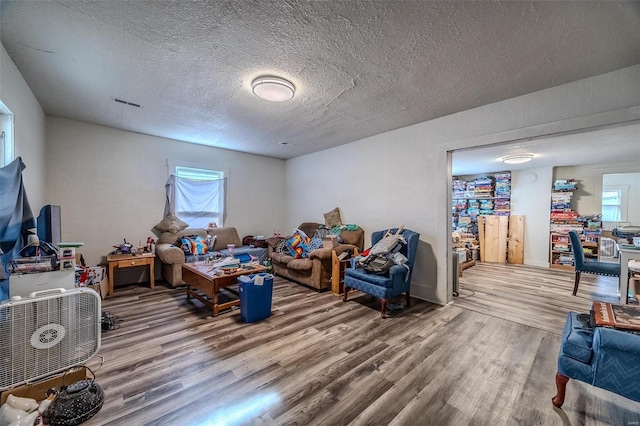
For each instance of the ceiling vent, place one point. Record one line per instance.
(120, 101)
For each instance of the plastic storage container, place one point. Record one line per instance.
(256, 291)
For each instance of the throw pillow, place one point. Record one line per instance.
(298, 244)
(315, 244)
(281, 247)
(332, 218)
(194, 244)
(171, 223)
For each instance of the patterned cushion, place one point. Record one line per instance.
(322, 232)
(315, 244)
(298, 244)
(281, 247)
(194, 244)
(332, 218)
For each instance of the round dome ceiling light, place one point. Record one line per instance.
(273, 89)
(517, 158)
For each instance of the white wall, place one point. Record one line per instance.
(29, 129)
(402, 176)
(531, 197)
(110, 184)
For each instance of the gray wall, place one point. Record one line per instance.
(111, 184)
(410, 173)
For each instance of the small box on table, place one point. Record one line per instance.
(330, 241)
(67, 253)
(68, 264)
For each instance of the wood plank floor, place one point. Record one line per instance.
(538, 297)
(320, 361)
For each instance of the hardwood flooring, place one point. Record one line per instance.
(538, 297)
(487, 359)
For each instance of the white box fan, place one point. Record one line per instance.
(46, 333)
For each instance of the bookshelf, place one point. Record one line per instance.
(565, 219)
(481, 196)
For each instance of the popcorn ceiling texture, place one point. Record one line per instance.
(360, 67)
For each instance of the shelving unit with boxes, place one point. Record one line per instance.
(488, 195)
(565, 219)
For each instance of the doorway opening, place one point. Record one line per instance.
(586, 155)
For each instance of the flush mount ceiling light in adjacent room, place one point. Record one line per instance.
(273, 89)
(517, 158)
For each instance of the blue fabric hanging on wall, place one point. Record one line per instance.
(16, 217)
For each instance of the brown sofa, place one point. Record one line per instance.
(315, 270)
(171, 256)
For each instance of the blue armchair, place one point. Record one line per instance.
(381, 286)
(604, 357)
(590, 267)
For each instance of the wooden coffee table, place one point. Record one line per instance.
(200, 276)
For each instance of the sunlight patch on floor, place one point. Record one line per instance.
(242, 412)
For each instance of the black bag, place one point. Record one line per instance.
(76, 403)
(379, 265)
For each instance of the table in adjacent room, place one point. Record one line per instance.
(626, 253)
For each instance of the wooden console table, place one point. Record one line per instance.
(120, 261)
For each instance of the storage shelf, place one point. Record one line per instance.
(590, 242)
(481, 198)
(479, 195)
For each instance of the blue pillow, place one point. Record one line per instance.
(194, 244)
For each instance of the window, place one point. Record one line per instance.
(7, 154)
(614, 203)
(198, 174)
(200, 196)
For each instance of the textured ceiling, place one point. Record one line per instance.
(604, 145)
(360, 67)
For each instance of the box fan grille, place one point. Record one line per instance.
(48, 333)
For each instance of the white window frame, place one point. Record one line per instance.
(198, 174)
(617, 210)
(201, 219)
(7, 147)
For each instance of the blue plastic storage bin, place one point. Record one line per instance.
(255, 299)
